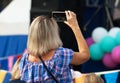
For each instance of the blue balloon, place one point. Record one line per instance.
(107, 44)
(117, 38)
(95, 52)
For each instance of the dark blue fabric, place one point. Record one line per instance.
(4, 64)
(98, 20)
(118, 79)
(11, 45)
(95, 66)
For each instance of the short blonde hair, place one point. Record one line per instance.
(92, 78)
(43, 35)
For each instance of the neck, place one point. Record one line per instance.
(47, 56)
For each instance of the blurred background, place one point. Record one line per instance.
(99, 21)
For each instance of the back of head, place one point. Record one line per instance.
(93, 78)
(43, 35)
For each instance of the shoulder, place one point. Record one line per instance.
(65, 55)
(65, 50)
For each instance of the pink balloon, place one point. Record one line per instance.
(89, 41)
(116, 54)
(108, 61)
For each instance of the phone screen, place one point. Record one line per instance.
(59, 16)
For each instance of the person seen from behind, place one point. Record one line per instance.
(44, 41)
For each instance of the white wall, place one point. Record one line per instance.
(15, 18)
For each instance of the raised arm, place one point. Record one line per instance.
(83, 54)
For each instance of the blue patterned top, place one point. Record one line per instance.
(35, 72)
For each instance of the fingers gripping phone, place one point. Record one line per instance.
(59, 16)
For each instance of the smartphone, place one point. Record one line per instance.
(59, 16)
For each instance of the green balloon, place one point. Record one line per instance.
(107, 44)
(117, 38)
(95, 52)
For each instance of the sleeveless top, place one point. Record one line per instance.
(58, 65)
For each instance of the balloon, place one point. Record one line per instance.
(116, 54)
(113, 31)
(95, 52)
(90, 41)
(107, 44)
(108, 62)
(117, 38)
(99, 33)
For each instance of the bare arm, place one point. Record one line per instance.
(83, 54)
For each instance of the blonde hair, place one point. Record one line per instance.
(43, 36)
(15, 71)
(92, 78)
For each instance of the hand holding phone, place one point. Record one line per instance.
(59, 16)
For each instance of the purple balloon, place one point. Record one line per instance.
(108, 61)
(90, 41)
(116, 54)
